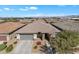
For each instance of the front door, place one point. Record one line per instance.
(39, 35)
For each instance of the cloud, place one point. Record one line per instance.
(28, 8)
(37, 15)
(24, 9)
(8, 9)
(33, 8)
(44, 15)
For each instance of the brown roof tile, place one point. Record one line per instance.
(8, 27)
(38, 26)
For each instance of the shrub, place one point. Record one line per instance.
(35, 47)
(2, 46)
(65, 41)
(15, 42)
(9, 48)
(38, 43)
(4, 42)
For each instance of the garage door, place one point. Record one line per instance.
(26, 37)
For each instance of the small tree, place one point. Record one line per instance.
(65, 41)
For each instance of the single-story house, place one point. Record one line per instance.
(7, 29)
(31, 31)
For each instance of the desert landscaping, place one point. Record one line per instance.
(41, 35)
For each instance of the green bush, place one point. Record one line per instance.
(9, 48)
(35, 47)
(15, 42)
(5, 43)
(65, 41)
(2, 46)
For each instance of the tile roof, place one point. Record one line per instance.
(38, 26)
(8, 27)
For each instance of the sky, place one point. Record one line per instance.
(38, 10)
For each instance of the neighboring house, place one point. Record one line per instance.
(7, 29)
(30, 31)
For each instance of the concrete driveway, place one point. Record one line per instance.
(23, 47)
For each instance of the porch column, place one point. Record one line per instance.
(53, 34)
(43, 36)
(34, 36)
(8, 37)
(18, 36)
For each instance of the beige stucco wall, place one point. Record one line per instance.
(4, 35)
(8, 37)
(12, 36)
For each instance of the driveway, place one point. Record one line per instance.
(23, 47)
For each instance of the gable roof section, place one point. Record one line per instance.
(38, 26)
(8, 27)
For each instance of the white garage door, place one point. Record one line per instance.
(26, 37)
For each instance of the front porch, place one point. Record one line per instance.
(43, 36)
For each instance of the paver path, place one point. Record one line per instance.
(23, 47)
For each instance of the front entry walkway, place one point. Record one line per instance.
(23, 47)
